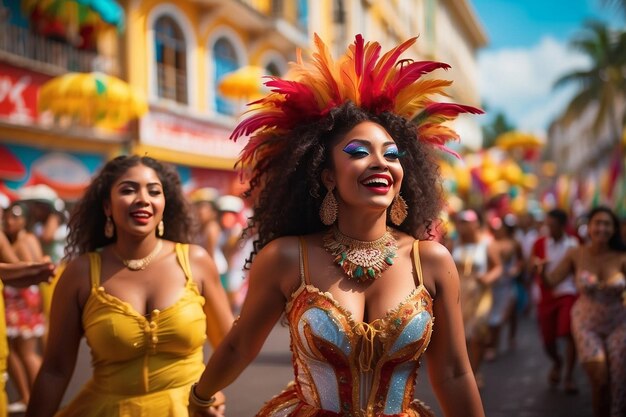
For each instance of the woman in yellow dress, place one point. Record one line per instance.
(345, 184)
(145, 300)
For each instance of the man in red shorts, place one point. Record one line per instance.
(555, 304)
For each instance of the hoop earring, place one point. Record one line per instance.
(328, 209)
(161, 228)
(109, 228)
(398, 210)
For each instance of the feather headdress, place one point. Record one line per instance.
(373, 82)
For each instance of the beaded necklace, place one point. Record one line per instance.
(361, 261)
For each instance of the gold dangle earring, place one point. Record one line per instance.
(160, 228)
(109, 228)
(328, 209)
(398, 210)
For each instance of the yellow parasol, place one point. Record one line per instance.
(244, 83)
(93, 99)
(520, 140)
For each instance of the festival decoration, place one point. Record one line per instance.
(244, 83)
(92, 99)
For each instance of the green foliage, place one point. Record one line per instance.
(603, 83)
(617, 5)
(497, 126)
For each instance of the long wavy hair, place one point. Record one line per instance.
(287, 188)
(86, 224)
(615, 241)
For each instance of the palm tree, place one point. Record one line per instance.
(604, 83)
(615, 4)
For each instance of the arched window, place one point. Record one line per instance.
(171, 60)
(226, 61)
(277, 8)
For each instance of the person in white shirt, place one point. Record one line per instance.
(555, 304)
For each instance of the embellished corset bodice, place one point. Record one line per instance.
(357, 369)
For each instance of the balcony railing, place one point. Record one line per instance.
(54, 56)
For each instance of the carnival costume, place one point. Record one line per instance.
(143, 366)
(348, 368)
(599, 329)
(342, 367)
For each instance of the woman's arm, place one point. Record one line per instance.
(449, 368)
(63, 340)
(494, 265)
(7, 254)
(26, 273)
(219, 316)
(562, 270)
(274, 269)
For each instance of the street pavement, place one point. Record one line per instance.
(515, 382)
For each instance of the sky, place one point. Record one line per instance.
(528, 51)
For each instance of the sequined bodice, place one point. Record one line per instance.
(354, 368)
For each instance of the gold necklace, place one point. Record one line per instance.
(139, 264)
(361, 261)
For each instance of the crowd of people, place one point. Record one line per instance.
(572, 281)
(340, 234)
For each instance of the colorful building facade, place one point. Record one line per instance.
(177, 53)
(35, 149)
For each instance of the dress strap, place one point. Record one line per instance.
(94, 268)
(304, 261)
(417, 264)
(182, 254)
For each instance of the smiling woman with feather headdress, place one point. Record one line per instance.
(346, 195)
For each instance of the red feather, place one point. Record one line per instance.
(376, 84)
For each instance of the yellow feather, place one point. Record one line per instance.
(414, 97)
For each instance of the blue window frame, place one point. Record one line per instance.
(226, 61)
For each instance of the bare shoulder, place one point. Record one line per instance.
(202, 266)
(437, 265)
(278, 262)
(199, 255)
(284, 250)
(78, 269)
(432, 252)
(75, 279)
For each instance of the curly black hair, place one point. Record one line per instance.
(86, 224)
(288, 189)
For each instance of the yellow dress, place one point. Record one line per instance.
(142, 367)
